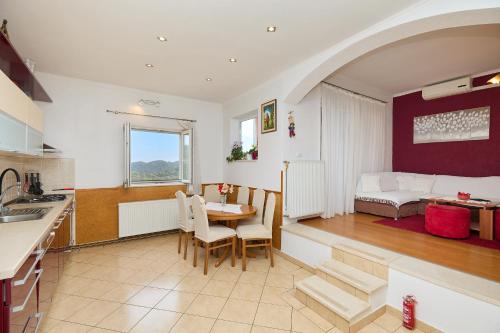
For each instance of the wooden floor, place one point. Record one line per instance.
(468, 258)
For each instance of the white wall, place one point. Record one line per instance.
(76, 123)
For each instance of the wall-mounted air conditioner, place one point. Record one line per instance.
(448, 88)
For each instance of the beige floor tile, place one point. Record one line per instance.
(99, 330)
(280, 280)
(246, 291)
(157, 321)
(259, 264)
(388, 322)
(192, 284)
(71, 284)
(253, 277)
(181, 268)
(142, 278)
(405, 330)
(239, 311)
(261, 329)
(372, 328)
(66, 306)
(274, 316)
(93, 313)
(222, 326)
(178, 301)
(218, 288)
(272, 295)
(96, 288)
(77, 268)
(148, 297)
(225, 274)
(124, 318)
(316, 319)
(303, 325)
(166, 281)
(293, 301)
(301, 274)
(207, 306)
(121, 293)
(65, 327)
(193, 324)
(335, 330)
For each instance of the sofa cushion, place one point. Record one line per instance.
(370, 183)
(393, 198)
(388, 182)
(423, 184)
(405, 182)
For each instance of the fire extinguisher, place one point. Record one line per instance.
(409, 302)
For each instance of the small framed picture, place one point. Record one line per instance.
(268, 117)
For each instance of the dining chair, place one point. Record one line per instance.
(186, 221)
(210, 236)
(258, 200)
(243, 195)
(211, 193)
(258, 235)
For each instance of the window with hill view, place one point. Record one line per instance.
(156, 156)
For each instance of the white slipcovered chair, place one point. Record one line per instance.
(186, 221)
(243, 195)
(258, 200)
(259, 235)
(211, 193)
(210, 235)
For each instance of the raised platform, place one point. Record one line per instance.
(435, 286)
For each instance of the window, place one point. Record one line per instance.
(248, 133)
(157, 156)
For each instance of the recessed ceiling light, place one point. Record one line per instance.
(232, 60)
(162, 38)
(495, 79)
(209, 79)
(149, 65)
(272, 28)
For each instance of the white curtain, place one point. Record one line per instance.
(352, 142)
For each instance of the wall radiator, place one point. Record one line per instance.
(304, 188)
(143, 217)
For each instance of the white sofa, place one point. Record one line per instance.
(398, 194)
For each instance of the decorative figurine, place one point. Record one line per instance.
(291, 124)
(3, 28)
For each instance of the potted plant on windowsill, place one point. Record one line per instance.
(254, 152)
(237, 153)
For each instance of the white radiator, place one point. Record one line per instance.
(143, 217)
(304, 188)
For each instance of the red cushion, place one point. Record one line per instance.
(447, 221)
(497, 225)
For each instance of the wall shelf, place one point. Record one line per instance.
(14, 67)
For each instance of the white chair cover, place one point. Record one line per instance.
(186, 223)
(243, 195)
(260, 231)
(202, 230)
(269, 214)
(211, 193)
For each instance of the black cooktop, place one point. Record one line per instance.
(42, 198)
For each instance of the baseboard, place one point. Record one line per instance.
(123, 239)
(426, 328)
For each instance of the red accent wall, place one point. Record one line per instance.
(464, 158)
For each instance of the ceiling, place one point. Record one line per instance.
(426, 59)
(111, 41)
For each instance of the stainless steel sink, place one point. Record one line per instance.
(24, 214)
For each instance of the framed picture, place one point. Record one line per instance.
(268, 117)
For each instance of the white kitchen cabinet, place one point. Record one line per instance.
(13, 134)
(34, 142)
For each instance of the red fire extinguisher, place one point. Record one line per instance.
(409, 302)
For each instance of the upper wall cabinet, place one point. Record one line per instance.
(14, 67)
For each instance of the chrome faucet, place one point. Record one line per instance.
(2, 193)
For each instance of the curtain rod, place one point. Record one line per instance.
(353, 92)
(149, 115)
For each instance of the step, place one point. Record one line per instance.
(351, 279)
(332, 303)
(372, 263)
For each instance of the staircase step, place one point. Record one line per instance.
(372, 262)
(334, 299)
(352, 276)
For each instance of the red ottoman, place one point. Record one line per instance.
(447, 221)
(497, 225)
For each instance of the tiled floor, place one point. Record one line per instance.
(143, 286)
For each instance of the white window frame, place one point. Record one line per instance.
(128, 128)
(255, 129)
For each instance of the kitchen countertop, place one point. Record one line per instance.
(19, 239)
